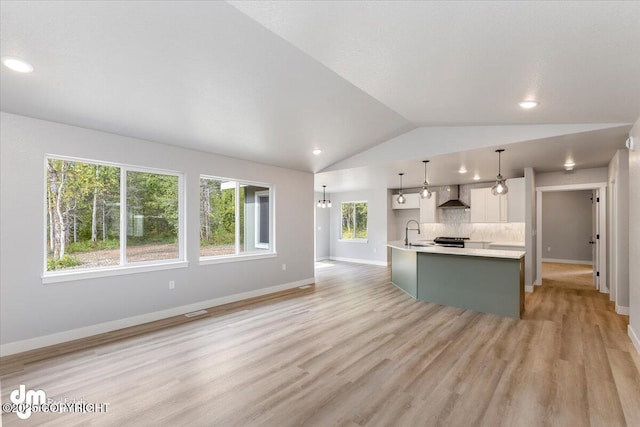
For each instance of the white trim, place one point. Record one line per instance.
(359, 261)
(238, 183)
(123, 267)
(573, 187)
(567, 261)
(324, 258)
(634, 338)
(528, 288)
(620, 309)
(245, 256)
(538, 281)
(236, 214)
(87, 331)
(538, 232)
(353, 240)
(602, 186)
(256, 219)
(71, 275)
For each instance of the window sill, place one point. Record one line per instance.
(235, 258)
(353, 240)
(68, 276)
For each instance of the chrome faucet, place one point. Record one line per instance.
(406, 231)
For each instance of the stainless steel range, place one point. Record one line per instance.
(450, 242)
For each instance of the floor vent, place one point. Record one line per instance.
(196, 313)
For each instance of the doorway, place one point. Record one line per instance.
(574, 232)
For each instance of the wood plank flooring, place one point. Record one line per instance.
(356, 351)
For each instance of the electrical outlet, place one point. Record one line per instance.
(375, 250)
(284, 267)
(548, 248)
(172, 284)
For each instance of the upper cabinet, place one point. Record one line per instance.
(412, 201)
(485, 207)
(429, 209)
(515, 198)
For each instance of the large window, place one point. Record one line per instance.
(236, 218)
(103, 215)
(354, 221)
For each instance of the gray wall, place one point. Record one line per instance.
(634, 238)
(618, 212)
(322, 228)
(30, 309)
(567, 225)
(375, 249)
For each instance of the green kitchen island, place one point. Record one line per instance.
(486, 280)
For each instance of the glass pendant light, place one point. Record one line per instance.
(401, 198)
(500, 187)
(425, 193)
(324, 203)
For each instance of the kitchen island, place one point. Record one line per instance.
(486, 280)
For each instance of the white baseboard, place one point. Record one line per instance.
(324, 258)
(360, 261)
(100, 328)
(567, 261)
(528, 288)
(620, 309)
(538, 281)
(634, 338)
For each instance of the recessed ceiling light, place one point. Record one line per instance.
(17, 65)
(569, 165)
(317, 152)
(462, 169)
(528, 104)
(476, 177)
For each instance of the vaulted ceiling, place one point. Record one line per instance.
(376, 85)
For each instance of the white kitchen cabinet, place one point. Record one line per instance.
(515, 199)
(412, 201)
(485, 207)
(429, 209)
(478, 203)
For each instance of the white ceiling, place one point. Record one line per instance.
(586, 149)
(269, 81)
(196, 74)
(470, 62)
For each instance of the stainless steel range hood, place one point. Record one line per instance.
(454, 202)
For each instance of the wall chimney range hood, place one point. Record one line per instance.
(454, 202)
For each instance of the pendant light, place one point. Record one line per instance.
(324, 203)
(425, 193)
(401, 198)
(500, 187)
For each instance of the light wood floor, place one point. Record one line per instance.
(356, 351)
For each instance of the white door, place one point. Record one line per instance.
(595, 237)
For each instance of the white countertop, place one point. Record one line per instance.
(508, 244)
(487, 253)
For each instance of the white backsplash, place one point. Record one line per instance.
(503, 232)
(455, 222)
